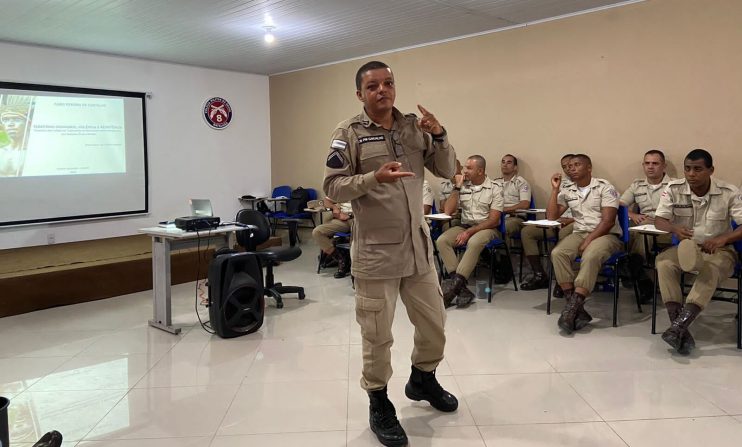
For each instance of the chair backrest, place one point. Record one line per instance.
(282, 191)
(501, 226)
(532, 205)
(738, 244)
(312, 193)
(623, 221)
(262, 234)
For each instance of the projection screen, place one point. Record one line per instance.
(71, 153)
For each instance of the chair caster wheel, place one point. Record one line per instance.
(279, 305)
(301, 296)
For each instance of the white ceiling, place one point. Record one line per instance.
(228, 34)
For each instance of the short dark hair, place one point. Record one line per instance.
(515, 160)
(656, 152)
(481, 162)
(584, 158)
(373, 65)
(566, 156)
(700, 154)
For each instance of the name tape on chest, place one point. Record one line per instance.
(371, 138)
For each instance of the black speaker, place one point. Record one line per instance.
(236, 299)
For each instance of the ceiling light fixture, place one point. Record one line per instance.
(269, 37)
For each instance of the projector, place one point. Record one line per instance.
(196, 223)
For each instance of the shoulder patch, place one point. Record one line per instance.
(335, 160)
(613, 193)
(339, 144)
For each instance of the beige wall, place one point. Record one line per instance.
(657, 74)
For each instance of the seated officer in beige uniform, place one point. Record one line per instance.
(697, 210)
(596, 236)
(480, 200)
(645, 193)
(531, 236)
(428, 197)
(377, 161)
(516, 193)
(342, 215)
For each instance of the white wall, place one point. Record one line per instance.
(187, 159)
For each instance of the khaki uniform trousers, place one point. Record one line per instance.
(513, 226)
(474, 246)
(322, 234)
(597, 252)
(530, 237)
(376, 300)
(716, 268)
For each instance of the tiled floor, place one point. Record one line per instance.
(97, 373)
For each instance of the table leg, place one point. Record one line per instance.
(161, 292)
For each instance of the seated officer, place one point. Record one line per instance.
(645, 193)
(697, 210)
(427, 197)
(531, 236)
(516, 194)
(596, 236)
(323, 235)
(480, 200)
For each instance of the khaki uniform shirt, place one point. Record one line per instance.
(476, 201)
(565, 185)
(390, 236)
(514, 190)
(644, 195)
(586, 211)
(708, 216)
(427, 194)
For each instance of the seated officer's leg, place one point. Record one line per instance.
(446, 243)
(375, 303)
(512, 226)
(422, 299)
(596, 253)
(716, 268)
(530, 237)
(469, 259)
(566, 230)
(322, 235)
(562, 257)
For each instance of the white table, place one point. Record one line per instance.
(164, 241)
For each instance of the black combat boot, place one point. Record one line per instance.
(465, 297)
(50, 439)
(558, 292)
(382, 418)
(424, 386)
(678, 336)
(537, 281)
(456, 283)
(343, 258)
(572, 309)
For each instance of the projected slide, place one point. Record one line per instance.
(61, 135)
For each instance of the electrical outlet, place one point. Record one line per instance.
(51, 238)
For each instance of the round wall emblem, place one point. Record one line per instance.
(217, 113)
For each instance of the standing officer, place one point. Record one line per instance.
(377, 161)
(516, 193)
(594, 205)
(645, 193)
(697, 210)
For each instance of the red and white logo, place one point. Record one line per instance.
(217, 113)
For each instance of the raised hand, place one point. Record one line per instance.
(391, 171)
(428, 122)
(556, 181)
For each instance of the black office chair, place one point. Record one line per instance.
(250, 239)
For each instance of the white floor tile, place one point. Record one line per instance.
(72, 413)
(424, 436)
(166, 413)
(282, 361)
(96, 373)
(523, 398)
(17, 374)
(310, 439)
(691, 432)
(639, 395)
(721, 386)
(282, 407)
(165, 442)
(584, 434)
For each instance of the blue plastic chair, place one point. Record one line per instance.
(301, 215)
(737, 274)
(516, 237)
(609, 268)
